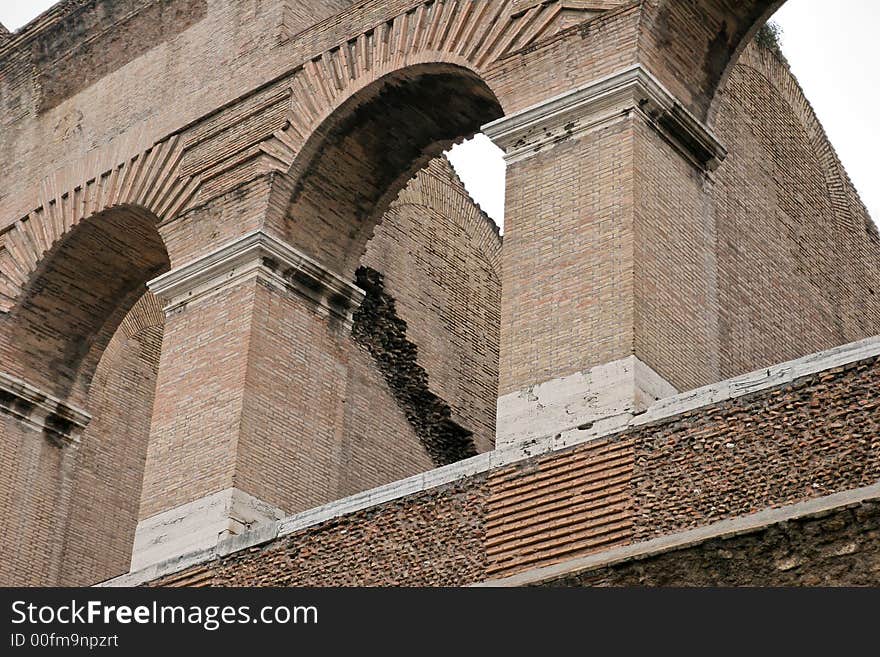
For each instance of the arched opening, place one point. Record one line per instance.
(84, 287)
(360, 158)
(429, 326)
(84, 334)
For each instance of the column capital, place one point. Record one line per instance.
(62, 423)
(600, 103)
(258, 255)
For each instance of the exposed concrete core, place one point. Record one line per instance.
(378, 328)
(611, 393)
(199, 525)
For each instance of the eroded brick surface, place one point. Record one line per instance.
(432, 539)
(841, 548)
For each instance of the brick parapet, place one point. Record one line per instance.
(520, 496)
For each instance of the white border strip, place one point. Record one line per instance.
(764, 379)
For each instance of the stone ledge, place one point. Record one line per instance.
(723, 529)
(200, 526)
(600, 103)
(605, 395)
(258, 255)
(665, 409)
(59, 421)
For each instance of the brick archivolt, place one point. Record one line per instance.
(148, 182)
(264, 132)
(471, 34)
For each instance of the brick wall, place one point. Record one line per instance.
(434, 539)
(567, 299)
(795, 246)
(107, 478)
(814, 437)
(441, 261)
(34, 492)
(839, 548)
(596, 228)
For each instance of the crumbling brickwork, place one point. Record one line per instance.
(440, 259)
(802, 441)
(434, 539)
(840, 548)
(379, 329)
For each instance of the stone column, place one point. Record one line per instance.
(608, 296)
(250, 396)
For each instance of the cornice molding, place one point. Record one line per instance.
(258, 255)
(58, 420)
(600, 103)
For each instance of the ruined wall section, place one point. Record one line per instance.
(440, 257)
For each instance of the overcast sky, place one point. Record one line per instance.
(832, 50)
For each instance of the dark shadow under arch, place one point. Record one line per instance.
(358, 160)
(55, 335)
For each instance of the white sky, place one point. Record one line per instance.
(832, 50)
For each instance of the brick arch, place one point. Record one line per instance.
(357, 162)
(145, 324)
(692, 46)
(430, 192)
(76, 296)
(436, 43)
(147, 182)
